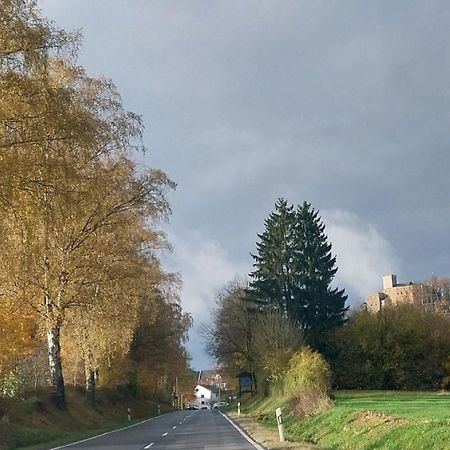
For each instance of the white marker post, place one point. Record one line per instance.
(129, 414)
(239, 408)
(280, 424)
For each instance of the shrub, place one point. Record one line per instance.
(308, 370)
(307, 382)
(11, 385)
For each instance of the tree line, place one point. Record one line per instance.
(80, 254)
(291, 303)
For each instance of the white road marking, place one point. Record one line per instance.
(249, 439)
(173, 428)
(181, 423)
(149, 445)
(165, 434)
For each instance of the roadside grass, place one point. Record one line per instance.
(25, 436)
(364, 420)
(406, 404)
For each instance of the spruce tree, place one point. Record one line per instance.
(294, 269)
(272, 286)
(318, 306)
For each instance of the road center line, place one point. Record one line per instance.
(165, 434)
(149, 445)
(173, 428)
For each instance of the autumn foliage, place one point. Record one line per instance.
(80, 255)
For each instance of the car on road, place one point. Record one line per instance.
(190, 407)
(220, 405)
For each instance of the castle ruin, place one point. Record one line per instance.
(393, 294)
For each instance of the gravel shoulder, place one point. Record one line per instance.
(265, 436)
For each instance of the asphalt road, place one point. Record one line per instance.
(180, 430)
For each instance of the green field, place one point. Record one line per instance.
(404, 404)
(366, 420)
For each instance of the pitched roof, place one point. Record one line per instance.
(208, 374)
(212, 389)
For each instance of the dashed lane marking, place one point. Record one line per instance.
(165, 434)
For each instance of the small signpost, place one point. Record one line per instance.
(245, 383)
(239, 408)
(280, 424)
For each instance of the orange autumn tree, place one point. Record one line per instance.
(17, 334)
(67, 177)
(157, 349)
(101, 331)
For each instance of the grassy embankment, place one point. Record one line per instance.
(34, 421)
(368, 420)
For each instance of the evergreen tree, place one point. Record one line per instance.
(273, 284)
(318, 306)
(294, 269)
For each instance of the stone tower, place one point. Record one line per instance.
(395, 294)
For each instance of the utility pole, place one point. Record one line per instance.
(177, 393)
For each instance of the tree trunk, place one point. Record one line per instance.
(54, 359)
(90, 386)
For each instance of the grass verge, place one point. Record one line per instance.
(367, 421)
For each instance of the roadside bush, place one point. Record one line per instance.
(308, 370)
(11, 385)
(307, 382)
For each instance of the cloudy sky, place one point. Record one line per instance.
(343, 104)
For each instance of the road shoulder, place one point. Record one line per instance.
(266, 437)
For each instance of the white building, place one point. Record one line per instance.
(206, 395)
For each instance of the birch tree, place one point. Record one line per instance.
(67, 178)
(101, 329)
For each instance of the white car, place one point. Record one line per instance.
(192, 407)
(220, 405)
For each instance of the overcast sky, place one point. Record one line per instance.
(345, 104)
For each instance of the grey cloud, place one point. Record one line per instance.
(344, 104)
